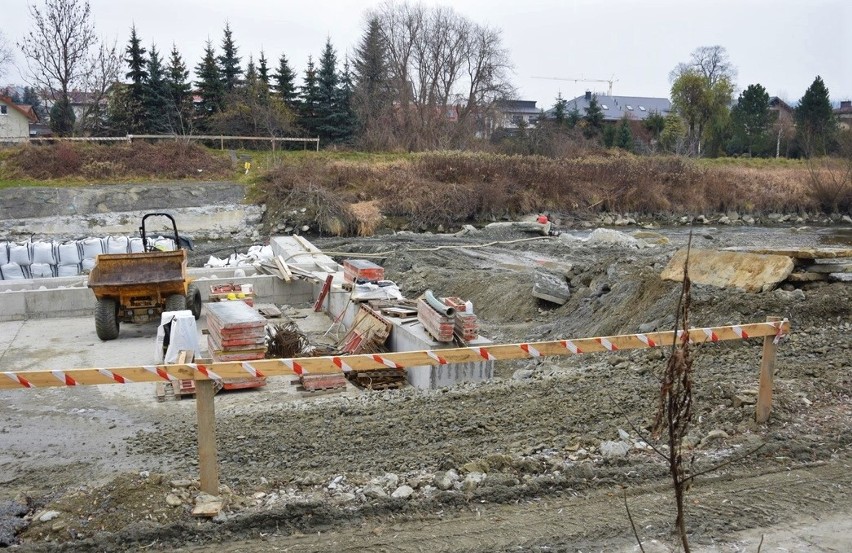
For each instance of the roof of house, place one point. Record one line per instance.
(616, 107)
(777, 103)
(26, 111)
(517, 106)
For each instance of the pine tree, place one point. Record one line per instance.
(31, 98)
(285, 86)
(345, 118)
(138, 75)
(309, 100)
(624, 137)
(573, 117)
(594, 118)
(815, 118)
(263, 68)
(750, 116)
(372, 82)
(327, 109)
(560, 111)
(229, 62)
(209, 85)
(180, 94)
(156, 99)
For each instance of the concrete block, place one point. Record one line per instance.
(13, 306)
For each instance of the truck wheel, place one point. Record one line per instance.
(175, 302)
(193, 300)
(106, 319)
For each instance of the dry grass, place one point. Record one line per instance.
(111, 162)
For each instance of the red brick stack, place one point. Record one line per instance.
(361, 269)
(236, 332)
(437, 325)
(466, 324)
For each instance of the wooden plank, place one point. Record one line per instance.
(282, 266)
(332, 364)
(205, 409)
(767, 377)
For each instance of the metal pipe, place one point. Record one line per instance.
(437, 305)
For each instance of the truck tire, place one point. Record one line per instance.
(106, 319)
(193, 300)
(175, 302)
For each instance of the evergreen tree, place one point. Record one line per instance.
(31, 98)
(209, 85)
(327, 109)
(750, 116)
(310, 99)
(263, 69)
(371, 98)
(156, 99)
(285, 83)
(594, 118)
(560, 111)
(62, 117)
(229, 62)
(138, 76)
(608, 136)
(573, 117)
(180, 94)
(624, 137)
(345, 120)
(815, 119)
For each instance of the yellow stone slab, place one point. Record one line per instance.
(800, 253)
(730, 269)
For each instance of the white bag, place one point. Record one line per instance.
(117, 244)
(69, 253)
(43, 252)
(20, 254)
(91, 247)
(12, 271)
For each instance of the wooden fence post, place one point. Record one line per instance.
(767, 377)
(207, 462)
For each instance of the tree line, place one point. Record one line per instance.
(419, 78)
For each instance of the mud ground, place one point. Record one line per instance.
(517, 464)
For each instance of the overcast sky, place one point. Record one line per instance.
(781, 44)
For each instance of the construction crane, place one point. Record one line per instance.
(582, 80)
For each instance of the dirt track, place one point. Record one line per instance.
(535, 432)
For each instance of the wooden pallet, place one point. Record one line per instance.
(379, 380)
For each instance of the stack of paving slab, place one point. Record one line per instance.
(361, 270)
(236, 332)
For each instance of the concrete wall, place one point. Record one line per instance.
(69, 296)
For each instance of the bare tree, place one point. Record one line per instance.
(710, 61)
(57, 50)
(445, 70)
(5, 54)
(103, 72)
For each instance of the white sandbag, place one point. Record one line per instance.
(183, 335)
(68, 270)
(136, 245)
(69, 254)
(4, 253)
(12, 271)
(92, 247)
(88, 265)
(117, 244)
(164, 244)
(43, 252)
(41, 270)
(20, 254)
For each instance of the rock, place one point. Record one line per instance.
(445, 480)
(623, 434)
(522, 374)
(550, 287)
(740, 400)
(613, 450)
(336, 481)
(724, 220)
(173, 500)
(472, 481)
(476, 466)
(747, 271)
(47, 516)
(714, 435)
(794, 295)
(305, 228)
(181, 483)
(650, 237)
(748, 219)
(609, 237)
(389, 480)
(847, 219)
(733, 216)
(403, 492)
(468, 229)
(374, 491)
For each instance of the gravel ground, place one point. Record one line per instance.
(521, 463)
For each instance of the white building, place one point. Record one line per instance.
(15, 120)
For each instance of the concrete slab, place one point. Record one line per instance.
(800, 253)
(724, 269)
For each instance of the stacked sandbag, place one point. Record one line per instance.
(164, 244)
(43, 258)
(69, 259)
(117, 244)
(136, 245)
(90, 248)
(19, 263)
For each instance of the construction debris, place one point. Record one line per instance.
(361, 270)
(550, 286)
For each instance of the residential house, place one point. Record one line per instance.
(844, 115)
(614, 108)
(15, 120)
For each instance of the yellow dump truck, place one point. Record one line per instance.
(138, 287)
